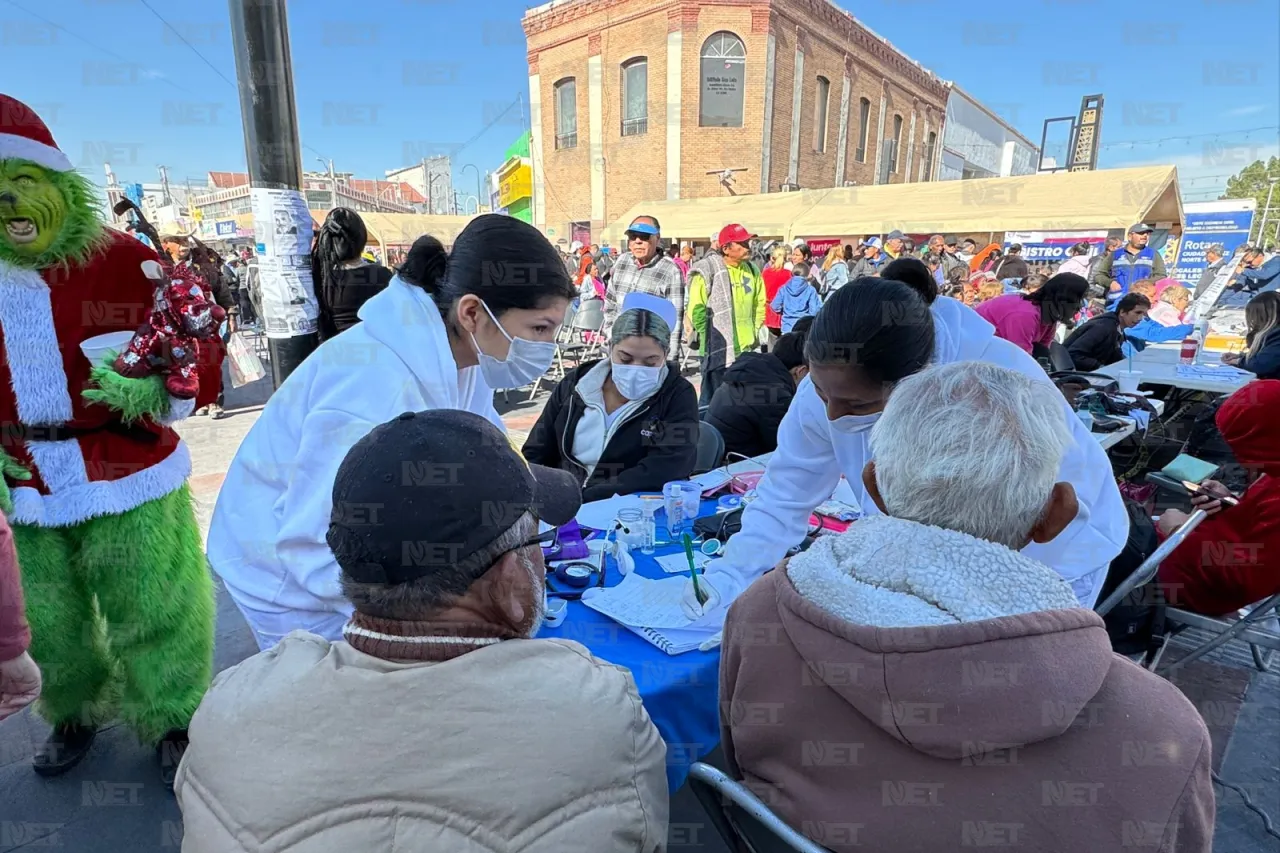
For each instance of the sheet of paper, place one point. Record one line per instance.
(282, 231)
(677, 564)
(712, 480)
(641, 602)
(1221, 373)
(844, 494)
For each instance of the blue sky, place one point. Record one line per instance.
(382, 83)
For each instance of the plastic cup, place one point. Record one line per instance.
(1129, 380)
(96, 348)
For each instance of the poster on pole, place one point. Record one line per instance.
(1204, 224)
(282, 230)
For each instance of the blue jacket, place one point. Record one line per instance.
(1127, 268)
(1151, 332)
(796, 299)
(1265, 358)
(1261, 280)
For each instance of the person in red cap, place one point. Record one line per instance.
(118, 592)
(726, 305)
(1232, 559)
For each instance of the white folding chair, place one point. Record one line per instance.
(1247, 628)
(744, 822)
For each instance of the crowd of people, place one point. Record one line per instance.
(379, 532)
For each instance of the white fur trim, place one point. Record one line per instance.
(179, 410)
(892, 573)
(60, 464)
(105, 497)
(31, 342)
(14, 147)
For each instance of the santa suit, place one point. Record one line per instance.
(109, 547)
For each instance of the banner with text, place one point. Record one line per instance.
(1050, 247)
(1205, 223)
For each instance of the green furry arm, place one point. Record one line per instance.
(134, 399)
(11, 469)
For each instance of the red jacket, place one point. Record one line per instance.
(774, 280)
(85, 462)
(1233, 559)
(15, 636)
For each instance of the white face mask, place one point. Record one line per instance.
(526, 360)
(635, 381)
(853, 424)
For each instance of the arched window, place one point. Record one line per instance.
(722, 81)
(566, 110)
(930, 151)
(864, 123)
(820, 104)
(635, 96)
(895, 144)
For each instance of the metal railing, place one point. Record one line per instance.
(635, 126)
(567, 140)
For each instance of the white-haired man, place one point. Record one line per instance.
(425, 729)
(921, 660)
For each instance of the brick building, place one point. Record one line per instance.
(635, 100)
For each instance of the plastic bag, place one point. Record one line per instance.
(245, 365)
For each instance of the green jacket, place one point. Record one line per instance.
(748, 306)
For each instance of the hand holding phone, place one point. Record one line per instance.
(1210, 496)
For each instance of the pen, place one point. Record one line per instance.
(693, 571)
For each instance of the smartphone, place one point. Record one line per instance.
(1195, 489)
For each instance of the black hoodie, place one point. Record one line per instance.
(656, 444)
(751, 402)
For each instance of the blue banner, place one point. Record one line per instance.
(225, 228)
(1225, 222)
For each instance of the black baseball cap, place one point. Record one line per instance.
(426, 490)
(951, 240)
(1140, 228)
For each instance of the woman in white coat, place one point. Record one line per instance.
(446, 332)
(865, 340)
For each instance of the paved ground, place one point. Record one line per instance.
(113, 801)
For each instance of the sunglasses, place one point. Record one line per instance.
(636, 235)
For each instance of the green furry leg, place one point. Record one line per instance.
(67, 634)
(153, 585)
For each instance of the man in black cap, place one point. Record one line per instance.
(438, 717)
(950, 259)
(1133, 261)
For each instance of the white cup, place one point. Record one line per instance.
(96, 348)
(1129, 380)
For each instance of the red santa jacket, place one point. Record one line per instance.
(1233, 559)
(84, 460)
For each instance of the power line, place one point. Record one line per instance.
(205, 59)
(96, 47)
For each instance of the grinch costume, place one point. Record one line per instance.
(119, 595)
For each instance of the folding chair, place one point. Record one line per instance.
(743, 821)
(1224, 630)
(710, 448)
(564, 344)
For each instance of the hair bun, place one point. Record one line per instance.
(426, 264)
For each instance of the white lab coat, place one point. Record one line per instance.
(267, 540)
(811, 458)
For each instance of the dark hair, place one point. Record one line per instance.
(801, 269)
(1130, 301)
(1060, 297)
(931, 259)
(848, 252)
(1081, 248)
(958, 276)
(789, 348)
(502, 260)
(802, 326)
(804, 250)
(914, 274)
(341, 238)
(1034, 279)
(656, 223)
(882, 327)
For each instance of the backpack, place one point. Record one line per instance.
(1137, 624)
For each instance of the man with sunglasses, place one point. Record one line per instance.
(645, 268)
(439, 707)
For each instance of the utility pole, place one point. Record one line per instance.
(164, 184)
(282, 226)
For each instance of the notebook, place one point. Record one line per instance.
(650, 609)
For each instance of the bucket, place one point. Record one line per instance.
(1129, 380)
(96, 348)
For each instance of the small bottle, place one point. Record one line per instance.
(631, 521)
(648, 527)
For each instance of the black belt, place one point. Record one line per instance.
(14, 434)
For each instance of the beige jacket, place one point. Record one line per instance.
(908, 689)
(525, 745)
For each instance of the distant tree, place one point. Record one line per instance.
(1252, 182)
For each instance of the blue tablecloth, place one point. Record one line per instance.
(680, 692)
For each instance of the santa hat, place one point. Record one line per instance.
(24, 136)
